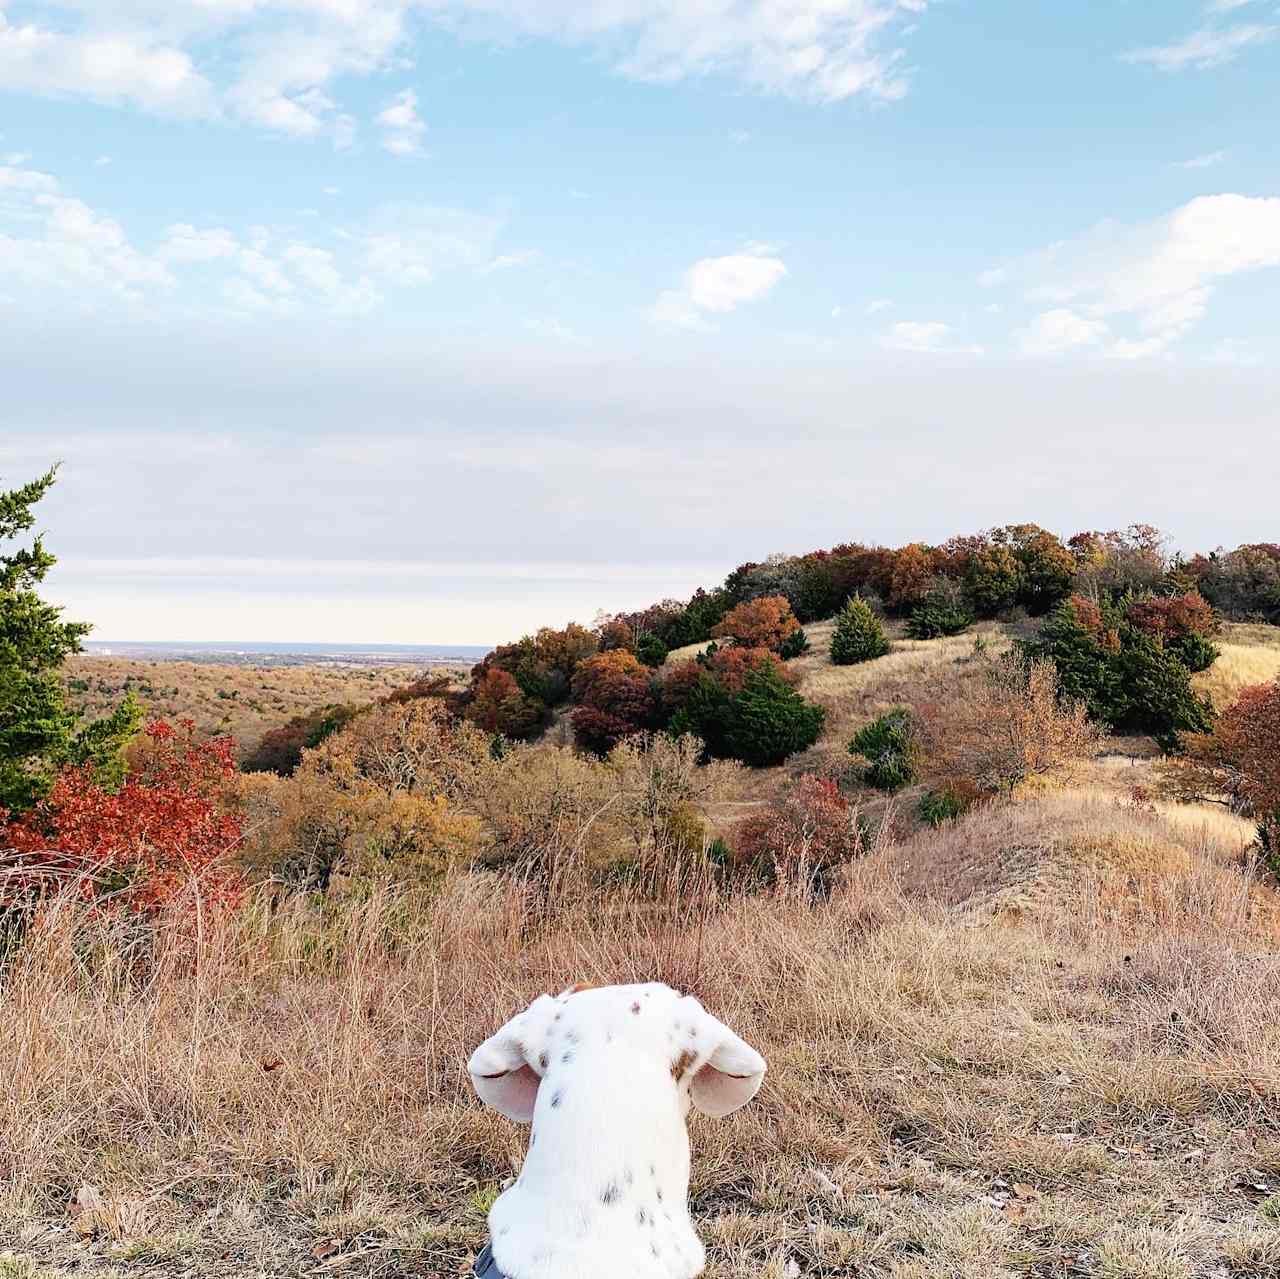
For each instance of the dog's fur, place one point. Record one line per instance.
(607, 1075)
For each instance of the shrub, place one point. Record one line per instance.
(142, 846)
(705, 713)
(650, 649)
(888, 746)
(280, 749)
(1126, 677)
(731, 666)
(804, 837)
(766, 622)
(943, 611)
(498, 704)
(1241, 757)
(1011, 724)
(1182, 623)
(1156, 693)
(796, 644)
(769, 720)
(944, 804)
(858, 636)
(381, 800)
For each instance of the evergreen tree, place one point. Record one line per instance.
(858, 636)
(769, 720)
(38, 733)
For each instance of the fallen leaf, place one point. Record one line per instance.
(325, 1248)
(1023, 1191)
(272, 1063)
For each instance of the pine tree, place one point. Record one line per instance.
(769, 720)
(858, 636)
(38, 733)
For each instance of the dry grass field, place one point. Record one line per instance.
(1039, 1042)
(1021, 1071)
(242, 701)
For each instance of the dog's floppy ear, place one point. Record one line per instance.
(731, 1075)
(505, 1068)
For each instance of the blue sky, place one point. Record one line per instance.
(439, 319)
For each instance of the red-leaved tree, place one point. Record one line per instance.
(139, 848)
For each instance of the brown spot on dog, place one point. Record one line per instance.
(682, 1064)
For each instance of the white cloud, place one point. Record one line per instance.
(1158, 275)
(827, 50)
(724, 284)
(926, 336)
(184, 243)
(718, 286)
(107, 66)
(402, 127)
(878, 305)
(1206, 161)
(102, 161)
(1061, 329)
(53, 244)
(1208, 47)
(505, 261)
(993, 278)
(277, 64)
(413, 243)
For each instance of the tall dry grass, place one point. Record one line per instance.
(290, 1089)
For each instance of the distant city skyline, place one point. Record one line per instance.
(439, 320)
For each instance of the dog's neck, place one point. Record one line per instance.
(605, 1186)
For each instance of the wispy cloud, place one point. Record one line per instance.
(402, 127)
(1206, 161)
(279, 65)
(1208, 47)
(931, 337)
(1156, 277)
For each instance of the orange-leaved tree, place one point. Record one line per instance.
(765, 622)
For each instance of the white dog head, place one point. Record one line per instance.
(644, 1030)
(607, 1075)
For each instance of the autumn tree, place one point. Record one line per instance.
(615, 699)
(38, 733)
(498, 704)
(142, 846)
(766, 622)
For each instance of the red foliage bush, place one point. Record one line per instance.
(1173, 616)
(615, 699)
(731, 666)
(142, 847)
(765, 622)
(812, 829)
(498, 705)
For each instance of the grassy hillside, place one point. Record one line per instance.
(1037, 1041)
